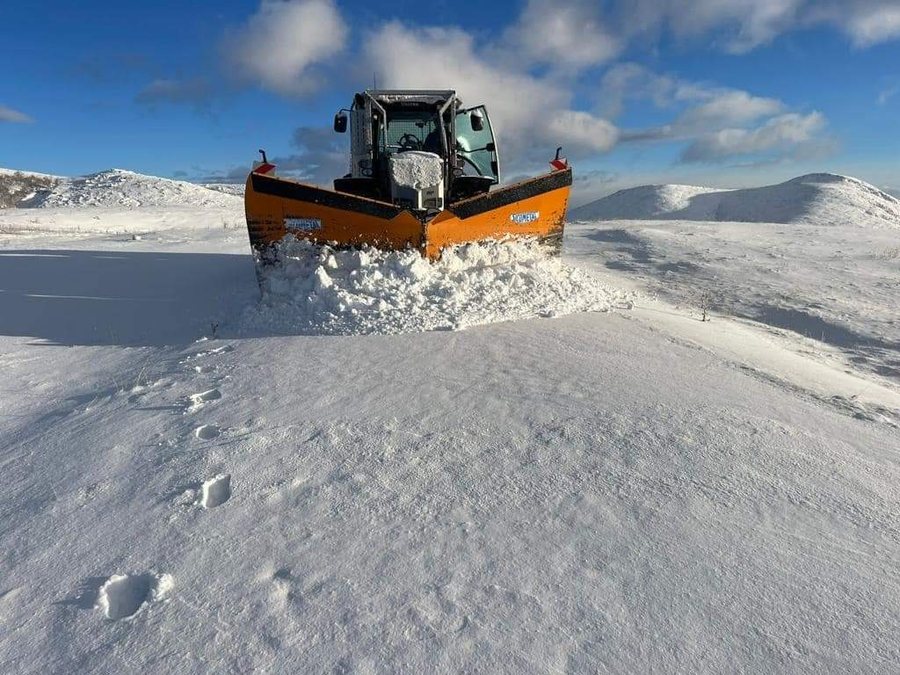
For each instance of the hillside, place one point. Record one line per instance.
(16, 186)
(121, 188)
(823, 199)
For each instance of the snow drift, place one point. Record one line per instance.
(321, 290)
(822, 198)
(117, 187)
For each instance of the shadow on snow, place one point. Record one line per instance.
(121, 298)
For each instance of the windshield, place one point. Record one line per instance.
(413, 130)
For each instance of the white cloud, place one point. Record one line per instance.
(530, 114)
(782, 134)
(739, 26)
(280, 45)
(887, 94)
(874, 25)
(11, 115)
(717, 123)
(582, 131)
(562, 33)
(626, 81)
(726, 108)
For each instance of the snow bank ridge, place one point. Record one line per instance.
(118, 187)
(319, 290)
(820, 198)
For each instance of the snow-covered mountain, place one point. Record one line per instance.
(118, 187)
(16, 186)
(822, 198)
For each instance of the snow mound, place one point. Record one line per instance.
(320, 290)
(416, 169)
(117, 187)
(823, 199)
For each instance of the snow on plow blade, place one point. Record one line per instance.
(276, 207)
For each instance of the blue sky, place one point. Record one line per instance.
(724, 92)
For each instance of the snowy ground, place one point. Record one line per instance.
(827, 269)
(185, 490)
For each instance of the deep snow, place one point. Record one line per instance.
(319, 290)
(825, 268)
(630, 490)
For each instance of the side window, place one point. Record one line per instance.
(477, 148)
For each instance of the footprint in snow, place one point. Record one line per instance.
(207, 432)
(123, 595)
(216, 491)
(197, 401)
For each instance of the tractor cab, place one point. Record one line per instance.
(417, 149)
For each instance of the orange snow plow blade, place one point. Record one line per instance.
(276, 207)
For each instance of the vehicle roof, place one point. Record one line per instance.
(411, 95)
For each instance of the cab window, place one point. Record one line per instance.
(477, 149)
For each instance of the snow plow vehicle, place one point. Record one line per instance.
(423, 175)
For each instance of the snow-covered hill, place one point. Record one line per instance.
(16, 186)
(823, 199)
(121, 188)
(227, 188)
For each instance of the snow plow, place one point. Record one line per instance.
(423, 175)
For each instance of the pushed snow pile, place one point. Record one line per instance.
(823, 199)
(117, 187)
(320, 290)
(416, 169)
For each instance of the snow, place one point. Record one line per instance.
(32, 174)
(16, 186)
(227, 188)
(317, 290)
(118, 187)
(416, 169)
(185, 489)
(829, 275)
(822, 199)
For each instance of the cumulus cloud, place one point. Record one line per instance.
(322, 155)
(867, 22)
(582, 130)
(717, 123)
(725, 108)
(562, 33)
(196, 91)
(784, 134)
(14, 116)
(280, 46)
(739, 26)
(531, 115)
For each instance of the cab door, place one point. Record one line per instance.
(477, 147)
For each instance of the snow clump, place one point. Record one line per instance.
(321, 290)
